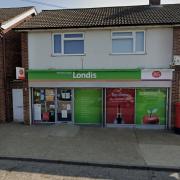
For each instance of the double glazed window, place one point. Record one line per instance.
(68, 43)
(128, 42)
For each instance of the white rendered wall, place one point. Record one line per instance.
(159, 43)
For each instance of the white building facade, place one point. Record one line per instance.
(110, 76)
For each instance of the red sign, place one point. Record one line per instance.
(20, 73)
(156, 74)
(120, 106)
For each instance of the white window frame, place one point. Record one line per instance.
(62, 43)
(53, 53)
(126, 37)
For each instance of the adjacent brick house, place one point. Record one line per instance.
(176, 76)
(109, 66)
(10, 56)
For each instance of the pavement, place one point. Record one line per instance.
(80, 144)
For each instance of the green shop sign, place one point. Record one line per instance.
(88, 75)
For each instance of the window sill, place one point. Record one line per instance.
(62, 55)
(118, 54)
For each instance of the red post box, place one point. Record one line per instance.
(177, 120)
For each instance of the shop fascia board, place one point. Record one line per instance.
(85, 74)
(85, 70)
(100, 74)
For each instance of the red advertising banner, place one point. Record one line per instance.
(120, 106)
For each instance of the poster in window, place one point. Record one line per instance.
(37, 112)
(151, 106)
(50, 95)
(120, 106)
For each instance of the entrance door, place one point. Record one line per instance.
(88, 106)
(17, 95)
(64, 105)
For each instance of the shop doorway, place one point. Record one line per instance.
(18, 112)
(64, 105)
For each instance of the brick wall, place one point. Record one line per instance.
(12, 54)
(2, 91)
(176, 75)
(24, 52)
(15, 56)
(176, 41)
(13, 60)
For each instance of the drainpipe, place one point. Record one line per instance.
(4, 69)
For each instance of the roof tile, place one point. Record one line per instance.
(105, 16)
(9, 13)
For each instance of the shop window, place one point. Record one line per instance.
(128, 42)
(151, 106)
(44, 105)
(88, 106)
(120, 106)
(70, 43)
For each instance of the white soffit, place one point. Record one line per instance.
(11, 22)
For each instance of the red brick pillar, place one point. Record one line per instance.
(176, 74)
(24, 51)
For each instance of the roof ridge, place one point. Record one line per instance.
(105, 7)
(93, 8)
(18, 7)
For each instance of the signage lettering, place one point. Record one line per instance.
(88, 75)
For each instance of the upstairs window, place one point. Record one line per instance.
(73, 44)
(57, 44)
(70, 43)
(128, 42)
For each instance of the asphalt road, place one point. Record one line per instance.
(18, 170)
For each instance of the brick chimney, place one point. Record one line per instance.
(154, 2)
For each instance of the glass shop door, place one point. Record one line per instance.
(64, 105)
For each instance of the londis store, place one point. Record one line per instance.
(108, 98)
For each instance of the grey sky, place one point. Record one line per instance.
(45, 4)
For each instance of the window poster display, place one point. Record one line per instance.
(44, 105)
(37, 112)
(88, 106)
(151, 106)
(64, 104)
(120, 106)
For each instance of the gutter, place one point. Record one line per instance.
(98, 27)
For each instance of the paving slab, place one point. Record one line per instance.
(161, 155)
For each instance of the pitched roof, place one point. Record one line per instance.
(105, 16)
(9, 13)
